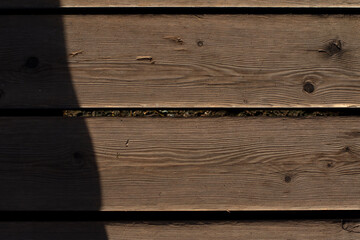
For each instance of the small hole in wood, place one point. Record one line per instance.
(200, 43)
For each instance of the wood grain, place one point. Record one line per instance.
(231, 230)
(190, 61)
(177, 3)
(160, 164)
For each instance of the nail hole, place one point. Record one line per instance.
(330, 165)
(309, 87)
(346, 149)
(287, 179)
(32, 62)
(200, 43)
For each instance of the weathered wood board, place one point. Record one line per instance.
(179, 3)
(228, 230)
(179, 61)
(160, 164)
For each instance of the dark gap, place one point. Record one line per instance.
(213, 112)
(177, 216)
(183, 113)
(180, 10)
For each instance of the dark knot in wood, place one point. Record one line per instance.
(32, 62)
(333, 47)
(309, 87)
(287, 179)
(78, 159)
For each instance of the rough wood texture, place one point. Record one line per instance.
(180, 61)
(135, 164)
(276, 230)
(177, 3)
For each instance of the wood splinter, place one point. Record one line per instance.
(73, 54)
(144, 58)
(174, 39)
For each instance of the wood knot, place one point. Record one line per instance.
(78, 159)
(309, 87)
(32, 62)
(77, 155)
(287, 179)
(330, 164)
(346, 149)
(333, 47)
(350, 226)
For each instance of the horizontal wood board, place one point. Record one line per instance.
(178, 3)
(231, 230)
(179, 61)
(144, 164)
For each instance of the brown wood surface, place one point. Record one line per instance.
(239, 230)
(180, 61)
(177, 3)
(160, 164)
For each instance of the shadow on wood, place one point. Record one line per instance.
(33, 178)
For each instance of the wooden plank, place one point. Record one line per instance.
(231, 230)
(179, 61)
(161, 164)
(178, 3)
